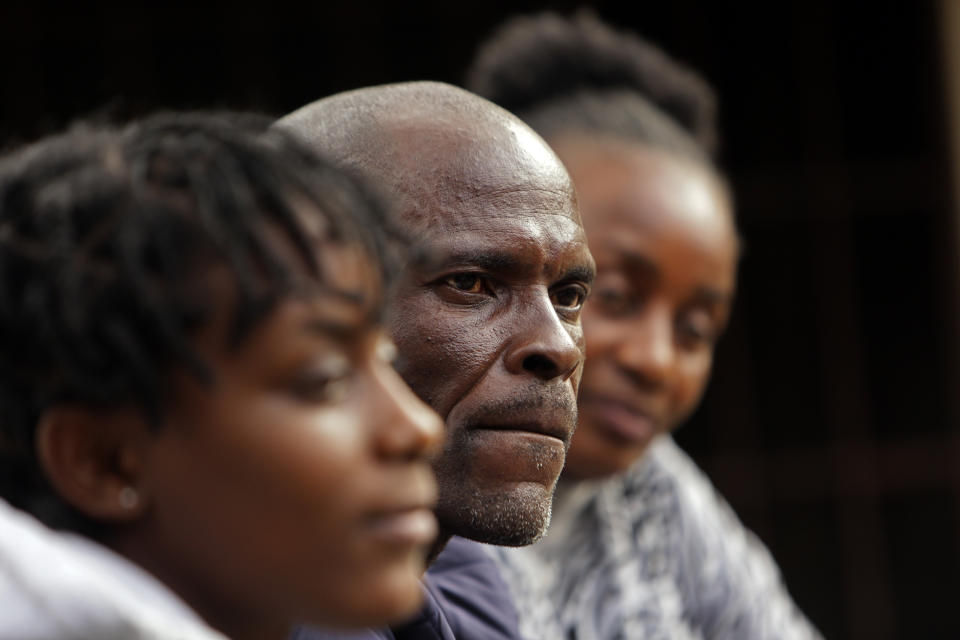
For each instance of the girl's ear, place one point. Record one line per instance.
(94, 460)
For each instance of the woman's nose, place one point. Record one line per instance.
(405, 427)
(647, 349)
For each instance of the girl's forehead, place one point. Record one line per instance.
(349, 268)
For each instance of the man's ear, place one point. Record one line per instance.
(94, 459)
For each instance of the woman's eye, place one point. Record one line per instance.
(328, 382)
(322, 389)
(612, 301)
(466, 282)
(570, 297)
(697, 332)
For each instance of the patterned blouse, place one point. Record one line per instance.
(653, 554)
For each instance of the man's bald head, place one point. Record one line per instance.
(487, 324)
(427, 142)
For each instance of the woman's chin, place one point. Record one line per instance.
(594, 455)
(395, 597)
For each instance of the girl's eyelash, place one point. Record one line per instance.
(317, 381)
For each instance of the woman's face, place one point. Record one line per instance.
(296, 488)
(662, 233)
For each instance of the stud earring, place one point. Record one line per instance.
(128, 497)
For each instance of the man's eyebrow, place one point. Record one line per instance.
(485, 259)
(581, 273)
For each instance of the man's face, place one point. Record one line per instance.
(487, 325)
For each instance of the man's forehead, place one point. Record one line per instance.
(508, 215)
(444, 163)
(454, 181)
(503, 243)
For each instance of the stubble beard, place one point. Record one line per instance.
(515, 519)
(474, 505)
(512, 516)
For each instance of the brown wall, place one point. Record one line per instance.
(832, 421)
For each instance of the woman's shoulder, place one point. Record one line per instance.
(668, 472)
(705, 517)
(59, 585)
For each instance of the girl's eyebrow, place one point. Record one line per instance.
(345, 331)
(358, 315)
(713, 296)
(356, 297)
(637, 261)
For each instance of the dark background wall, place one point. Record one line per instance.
(831, 424)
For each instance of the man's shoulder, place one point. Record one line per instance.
(315, 633)
(472, 594)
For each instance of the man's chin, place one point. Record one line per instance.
(514, 518)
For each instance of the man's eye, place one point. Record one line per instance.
(570, 297)
(466, 282)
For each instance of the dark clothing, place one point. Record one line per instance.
(466, 599)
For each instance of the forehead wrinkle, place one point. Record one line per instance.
(483, 217)
(436, 160)
(425, 187)
(561, 193)
(523, 228)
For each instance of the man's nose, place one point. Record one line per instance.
(647, 349)
(543, 344)
(404, 427)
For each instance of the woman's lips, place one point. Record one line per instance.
(619, 421)
(416, 526)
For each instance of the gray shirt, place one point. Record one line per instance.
(652, 554)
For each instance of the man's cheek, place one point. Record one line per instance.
(424, 363)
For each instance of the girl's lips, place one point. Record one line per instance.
(618, 421)
(405, 528)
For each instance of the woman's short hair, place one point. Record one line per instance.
(105, 234)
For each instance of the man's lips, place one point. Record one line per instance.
(557, 428)
(520, 440)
